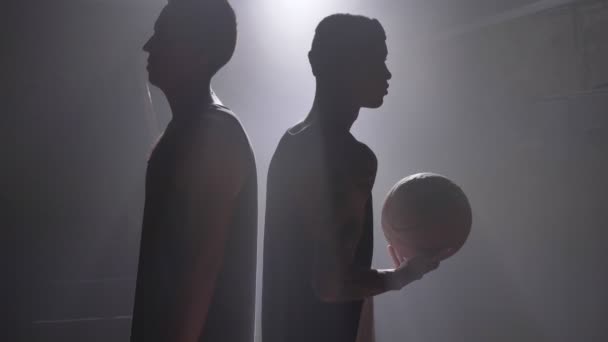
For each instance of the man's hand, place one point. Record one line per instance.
(408, 271)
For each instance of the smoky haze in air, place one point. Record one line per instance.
(507, 98)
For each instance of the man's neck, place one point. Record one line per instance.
(186, 101)
(332, 110)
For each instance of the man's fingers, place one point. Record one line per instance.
(393, 253)
(424, 265)
(444, 254)
(433, 266)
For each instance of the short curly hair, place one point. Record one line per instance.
(211, 24)
(340, 35)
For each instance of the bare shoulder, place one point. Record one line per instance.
(220, 131)
(367, 157)
(361, 164)
(216, 151)
(220, 121)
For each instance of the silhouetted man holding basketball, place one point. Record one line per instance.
(318, 237)
(196, 275)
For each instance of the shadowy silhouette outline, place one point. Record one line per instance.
(196, 273)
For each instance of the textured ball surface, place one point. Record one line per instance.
(426, 213)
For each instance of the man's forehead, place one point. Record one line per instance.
(172, 14)
(383, 49)
(161, 21)
(177, 20)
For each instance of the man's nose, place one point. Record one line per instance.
(388, 74)
(146, 46)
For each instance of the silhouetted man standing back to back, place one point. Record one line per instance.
(196, 275)
(318, 237)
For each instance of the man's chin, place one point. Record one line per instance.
(153, 80)
(375, 104)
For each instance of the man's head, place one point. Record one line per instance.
(192, 40)
(349, 54)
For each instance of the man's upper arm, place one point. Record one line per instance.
(339, 233)
(210, 176)
(349, 196)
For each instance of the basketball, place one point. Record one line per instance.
(426, 214)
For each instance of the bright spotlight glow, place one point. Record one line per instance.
(289, 25)
(297, 16)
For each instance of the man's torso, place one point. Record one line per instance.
(291, 311)
(163, 258)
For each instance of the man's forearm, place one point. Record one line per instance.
(362, 283)
(193, 301)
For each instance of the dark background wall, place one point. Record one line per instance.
(506, 97)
